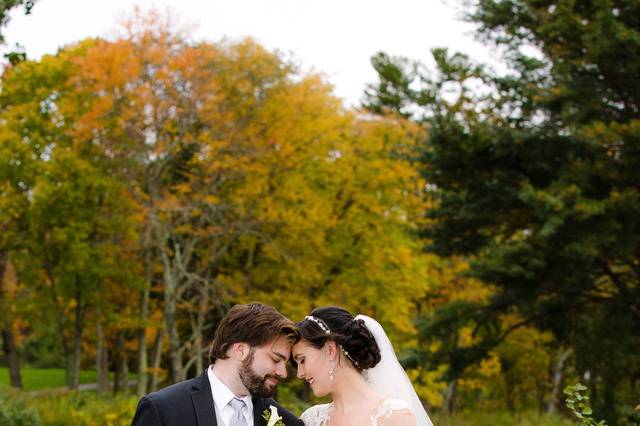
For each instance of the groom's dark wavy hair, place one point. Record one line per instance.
(255, 324)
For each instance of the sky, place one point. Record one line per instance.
(334, 37)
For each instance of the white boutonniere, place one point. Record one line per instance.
(272, 417)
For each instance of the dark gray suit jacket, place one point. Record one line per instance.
(191, 403)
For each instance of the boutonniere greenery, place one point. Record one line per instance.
(272, 417)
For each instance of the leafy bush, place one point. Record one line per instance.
(13, 412)
(86, 409)
(578, 403)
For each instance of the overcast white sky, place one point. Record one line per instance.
(335, 37)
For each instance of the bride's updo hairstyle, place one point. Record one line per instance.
(337, 324)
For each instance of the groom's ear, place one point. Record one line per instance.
(240, 351)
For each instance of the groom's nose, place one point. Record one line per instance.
(281, 369)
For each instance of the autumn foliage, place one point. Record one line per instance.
(150, 182)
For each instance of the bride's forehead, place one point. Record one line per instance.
(302, 346)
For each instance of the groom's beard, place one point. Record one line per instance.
(256, 384)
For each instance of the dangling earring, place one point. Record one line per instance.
(331, 370)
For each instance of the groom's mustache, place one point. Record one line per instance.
(272, 376)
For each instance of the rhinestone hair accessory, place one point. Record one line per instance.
(344, 351)
(320, 323)
(325, 328)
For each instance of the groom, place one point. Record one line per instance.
(248, 357)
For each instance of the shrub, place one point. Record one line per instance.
(578, 403)
(86, 409)
(13, 412)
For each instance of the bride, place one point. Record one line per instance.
(352, 360)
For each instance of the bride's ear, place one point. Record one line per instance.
(332, 349)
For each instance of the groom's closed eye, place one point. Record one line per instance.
(277, 357)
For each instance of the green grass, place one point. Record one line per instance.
(44, 378)
(501, 418)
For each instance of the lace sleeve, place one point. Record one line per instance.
(318, 415)
(387, 408)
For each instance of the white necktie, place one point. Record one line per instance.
(238, 406)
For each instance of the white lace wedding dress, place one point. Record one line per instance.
(318, 415)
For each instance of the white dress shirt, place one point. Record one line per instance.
(221, 397)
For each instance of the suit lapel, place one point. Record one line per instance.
(203, 401)
(258, 408)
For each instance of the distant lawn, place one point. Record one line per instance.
(44, 378)
(501, 418)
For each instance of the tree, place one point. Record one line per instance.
(253, 183)
(220, 170)
(78, 230)
(68, 212)
(534, 173)
(16, 178)
(7, 334)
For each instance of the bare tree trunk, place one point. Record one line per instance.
(202, 309)
(77, 359)
(175, 353)
(175, 257)
(450, 397)
(142, 333)
(143, 377)
(156, 358)
(11, 352)
(61, 323)
(77, 338)
(170, 305)
(102, 362)
(8, 341)
(125, 371)
(118, 382)
(556, 379)
(68, 362)
(198, 319)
